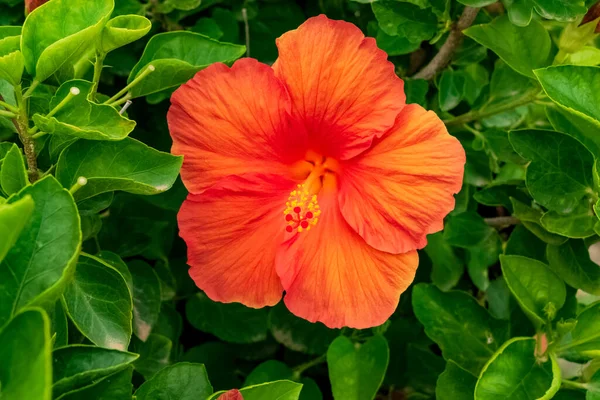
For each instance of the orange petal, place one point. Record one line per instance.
(342, 86)
(401, 189)
(232, 394)
(331, 275)
(232, 231)
(227, 121)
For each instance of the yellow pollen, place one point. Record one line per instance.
(301, 210)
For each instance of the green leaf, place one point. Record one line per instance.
(593, 387)
(60, 327)
(447, 267)
(571, 261)
(13, 175)
(523, 48)
(232, 322)
(82, 118)
(298, 334)
(455, 384)
(123, 30)
(76, 366)
(519, 12)
(560, 10)
(126, 165)
(356, 372)
(13, 218)
(576, 126)
(523, 242)
(560, 173)
(583, 342)
(269, 371)
(406, 20)
(11, 58)
(155, 354)
(466, 229)
(530, 218)
(181, 381)
(476, 3)
(117, 386)
(539, 291)
(465, 331)
(42, 260)
(280, 390)
(416, 91)
(177, 56)
(99, 303)
(577, 224)
(516, 373)
(577, 89)
(26, 367)
(220, 361)
(48, 46)
(146, 298)
(451, 89)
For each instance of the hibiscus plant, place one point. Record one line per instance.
(299, 200)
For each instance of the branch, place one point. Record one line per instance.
(501, 222)
(442, 58)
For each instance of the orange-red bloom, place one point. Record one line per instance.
(312, 177)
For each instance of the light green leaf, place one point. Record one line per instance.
(280, 390)
(406, 20)
(476, 3)
(11, 59)
(577, 224)
(357, 371)
(13, 175)
(76, 366)
(82, 118)
(560, 173)
(123, 30)
(299, 334)
(583, 342)
(146, 298)
(465, 331)
(99, 303)
(181, 381)
(42, 260)
(117, 386)
(177, 56)
(447, 267)
(575, 88)
(515, 373)
(523, 48)
(539, 291)
(455, 383)
(581, 128)
(593, 387)
(48, 46)
(26, 367)
(269, 371)
(13, 218)
(126, 165)
(232, 322)
(531, 219)
(571, 261)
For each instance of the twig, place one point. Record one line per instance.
(501, 222)
(246, 31)
(455, 38)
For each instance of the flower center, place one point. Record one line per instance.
(302, 208)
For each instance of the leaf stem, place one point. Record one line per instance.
(9, 107)
(98, 65)
(246, 30)
(21, 123)
(298, 370)
(488, 112)
(501, 222)
(455, 38)
(574, 385)
(81, 182)
(113, 100)
(74, 91)
(31, 88)
(7, 114)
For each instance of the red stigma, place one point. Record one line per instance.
(289, 228)
(309, 215)
(304, 224)
(297, 210)
(289, 217)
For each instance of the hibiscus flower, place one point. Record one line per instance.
(312, 177)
